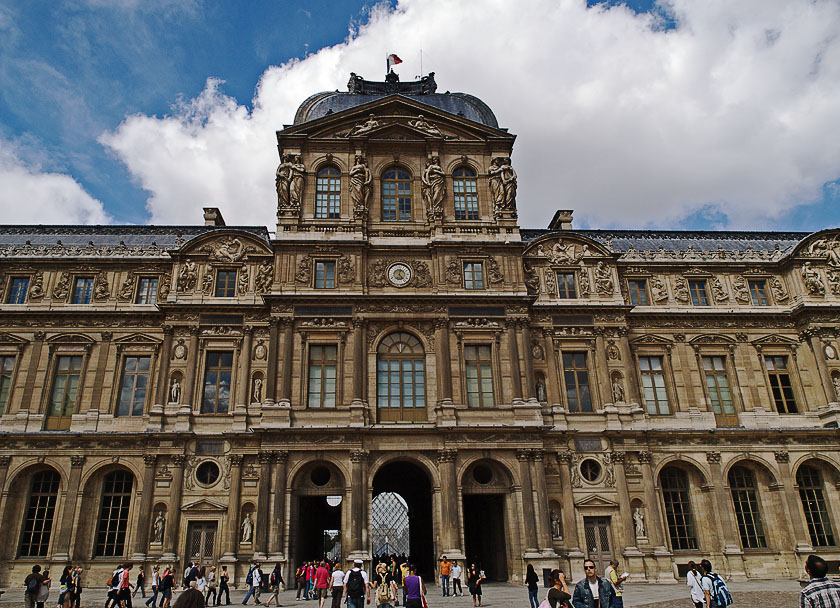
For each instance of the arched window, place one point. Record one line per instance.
(396, 195)
(465, 189)
(328, 192)
(680, 522)
(113, 515)
(400, 378)
(40, 512)
(745, 498)
(810, 482)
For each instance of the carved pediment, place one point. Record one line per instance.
(565, 249)
(227, 246)
(774, 340)
(596, 501)
(12, 339)
(712, 339)
(824, 245)
(137, 339)
(71, 339)
(204, 505)
(651, 340)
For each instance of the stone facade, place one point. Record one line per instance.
(535, 395)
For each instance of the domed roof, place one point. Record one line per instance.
(423, 91)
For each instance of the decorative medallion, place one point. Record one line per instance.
(399, 274)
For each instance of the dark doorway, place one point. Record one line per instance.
(319, 528)
(484, 534)
(415, 492)
(201, 541)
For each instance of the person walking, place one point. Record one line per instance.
(322, 583)
(249, 580)
(224, 579)
(310, 580)
(211, 587)
(385, 589)
(275, 580)
(445, 570)
(592, 591)
(140, 584)
(167, 584)
(152, 601)
(456, 579)
(617, 582)
(415, 588)
(65, 584)
(201, 581)
(558, 595)
(820, 592)
(692, 579)
(356, 586)
(403, 574)
(532, 581)
(124, 593)
(31, 586)
(474, 578)
(77, 587)
(43, 593)
(337, 583)
(114, 588)
(715, 591)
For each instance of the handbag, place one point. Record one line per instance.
(423, 599)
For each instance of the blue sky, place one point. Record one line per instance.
(651, 135)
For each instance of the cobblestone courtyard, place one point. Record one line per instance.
(753, 594)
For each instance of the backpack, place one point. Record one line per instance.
(249, 578)
(720, 592)
(355, 584)
(383, 592)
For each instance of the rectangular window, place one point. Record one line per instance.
(17, 290)
(322, 375)
(40, 513)
(758, 293)
(576, 377)
(328, 194)
(135, 382)
(698, 293)
(473, 275)
(147, 290)
(324, 275)
(225, 283)
(717, 381)
(466, 199)
(566, 285)
(780, 385)
(82, 290)
(638, 292)
(479, 376)
(653, 385)
(217, 377)
(7, 367)
(68, 371)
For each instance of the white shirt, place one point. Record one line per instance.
(456, 572)
(338, 577)
(115, 579)
(706, 583)
(364, 574)
(155, 578)
(256, 578)
(693, 582)
(201, 583)
(594, 588)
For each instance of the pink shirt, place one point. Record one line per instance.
(322, 576)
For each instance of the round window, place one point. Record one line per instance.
(590, 470)
(207, 473)
(320, 476)
(483, 474)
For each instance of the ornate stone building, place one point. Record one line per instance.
(401, 366)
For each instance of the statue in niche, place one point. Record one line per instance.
(360, 187)
(157, 528)
(639, 522)
(556, 529)
(428, 128)
(812, 279)
(434, 188)
(175, 391)
(618, 390)
(365, 127)
(540, 390)
(257, 398)
(247, 529)
(296, 182)
(836, 381)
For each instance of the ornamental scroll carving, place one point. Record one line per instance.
(829, 248)
(562, 253)
(780, 293)
(378, 273)
(346, 269)
(101, 289)
(242, 281)
(532, 279)
(164, 287)
(603, 279)
(127, 288)
(207, 281)
(422, 276)
(452, 274)
(36, 292)
(658, 291)
(303, 274)
(494, 273)
(718, 292)
(681, 293)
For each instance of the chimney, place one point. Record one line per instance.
(213, 217)
(562, 220)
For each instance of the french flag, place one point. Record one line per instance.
(391, 61)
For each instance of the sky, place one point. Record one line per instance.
(646, 114)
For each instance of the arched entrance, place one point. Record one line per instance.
(486, 486)
(401, 515)
(316, 517)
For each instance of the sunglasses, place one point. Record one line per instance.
(589, 567)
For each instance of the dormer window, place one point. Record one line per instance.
(396, 195)
(225, 284)
(465, 189)
(328, 193)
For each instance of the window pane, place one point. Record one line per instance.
(40, 514)
(17, 290)
(113, 514)
(678, 512)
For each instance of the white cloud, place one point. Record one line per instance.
(30, 196)
(735, 111)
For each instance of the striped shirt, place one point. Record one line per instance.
(820, 593)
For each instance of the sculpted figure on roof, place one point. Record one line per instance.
(830, 248)
(428, 128)
(365, 127)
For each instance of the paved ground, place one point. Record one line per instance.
(753, 594)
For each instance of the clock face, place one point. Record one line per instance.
(399, 274)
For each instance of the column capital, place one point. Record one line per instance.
(235, 460)
(178, 460)
(358, 455)
(39, 335)
(446, 456)
(76, 461)
(149, 459)
(168, 330)
(782, 456)
(442, 323)
(523, 455)
(280, 456)
(5, 460)
(287, 322)
(359, 322)
(106, 335)
(713, 457)
(564, 457)
(618, 457)
(645, 457)
(195, 330)
(537, 455)
(264, 457)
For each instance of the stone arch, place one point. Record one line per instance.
(18, 491)
(384, 164)
(424, 463)
(400, 328)
(91, 502)
(299, 472)
(545, 241)
(826, 463)
(103, 467)
(757, 463)
(322, 161)
(690, 465)
(32, 465)
(468, 162)
(504, 477)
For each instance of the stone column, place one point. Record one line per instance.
(792, 504)
(359, 360)
(654, 522)
(602, 370)
(358, 493)
(243, 393)
(513, 353)
(102, 356)
(630, 377)
(27, 404)
(231, 539)
(530, 392)
(4, 470)
(822, 367)
(628, 528)
(271, 374)
(524, 458)
(570, 531)
(162, 392)
(173, 514)
(70, 512)
(192, 362)
(726, 520)
(288, 356)
(553, 379)
(444, 362)
(144, 513)
(450, 529)
(275, 540)
(263, 503)
(542, 517)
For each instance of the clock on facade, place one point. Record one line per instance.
(399, 274)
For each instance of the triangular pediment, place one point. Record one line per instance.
(651, 339)
(774, 340)
(227, 246)
(594, 501)
(12, 339)
(137, 339)
(565, 248)
(204, 505)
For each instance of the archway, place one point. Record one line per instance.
(316, 517)
(401, 515)
(485, 487)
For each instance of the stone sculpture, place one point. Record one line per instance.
(360, 187)
(175, 391)
(639, 521)
(157, 528)
(434, 188)
(556, 530)
(813, 282)
(247, 528)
